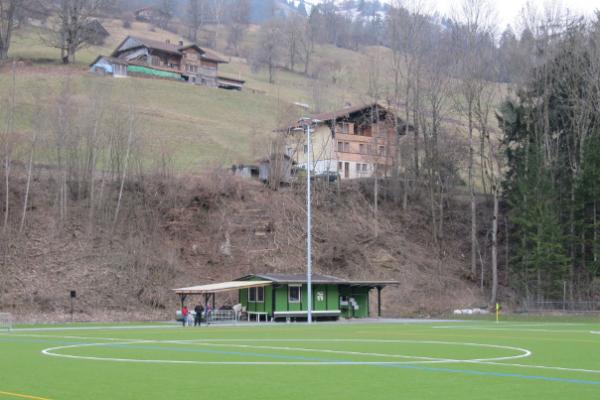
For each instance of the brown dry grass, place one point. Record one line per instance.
(216, 227)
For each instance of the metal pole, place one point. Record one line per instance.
(564, 295)
(379, 301)
(308, 232)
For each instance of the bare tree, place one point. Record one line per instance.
(306, 43)
(473, 23)
(8, 139)
(8, 15)
(72, 19)
(373, 64)
(28, 184)
(267, 54)
(167, 8)
(294, 30)
(125, 163)
(238, 24)
(194, 18)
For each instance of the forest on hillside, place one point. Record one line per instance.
(504, 146)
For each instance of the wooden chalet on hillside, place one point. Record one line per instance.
(354, 142)
(150, 58)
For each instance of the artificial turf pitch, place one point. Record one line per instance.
(440, 360)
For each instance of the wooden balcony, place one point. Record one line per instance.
(361, 139)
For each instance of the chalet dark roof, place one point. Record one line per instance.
(344, 113)
(316, 279)
(347, 112)
(173, 48)
(156, 44)
(212, 56)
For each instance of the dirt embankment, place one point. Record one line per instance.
(206, 229)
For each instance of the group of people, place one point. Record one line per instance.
(195, 317)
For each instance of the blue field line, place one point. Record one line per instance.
(493, 374)
(404, 366)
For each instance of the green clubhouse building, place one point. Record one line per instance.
(283, 297)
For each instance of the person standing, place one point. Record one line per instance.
(208, 313)
(184, 314)
(198, 317)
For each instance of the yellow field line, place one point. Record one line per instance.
(22, 396)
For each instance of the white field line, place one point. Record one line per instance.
(530, 325)
(301, 349)
(493, 361)
(96, 328)
(524, 353)
(52, 352)
(477, 328)
(68, 337)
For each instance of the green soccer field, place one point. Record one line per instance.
(434, 360)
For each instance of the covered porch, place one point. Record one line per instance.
(207, 294)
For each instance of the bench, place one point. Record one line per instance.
(258, 315)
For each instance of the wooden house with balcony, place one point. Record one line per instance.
(354, 142)
(187, 63)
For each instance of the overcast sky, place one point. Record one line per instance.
(508, 10)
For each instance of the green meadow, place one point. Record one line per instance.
(538, 359)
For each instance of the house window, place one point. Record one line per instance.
(358, 167)
(381, 150)
(364, 167)
(362, 148)
(340, 147)
(294, 294)
(347, 147)
(256, 295)
(305, 148)
(340, 166)
(344, 128)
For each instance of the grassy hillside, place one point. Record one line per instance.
(197, 126)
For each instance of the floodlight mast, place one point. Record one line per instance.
(307, 123)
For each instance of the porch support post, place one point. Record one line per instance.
(379, 301)
(182, 297)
